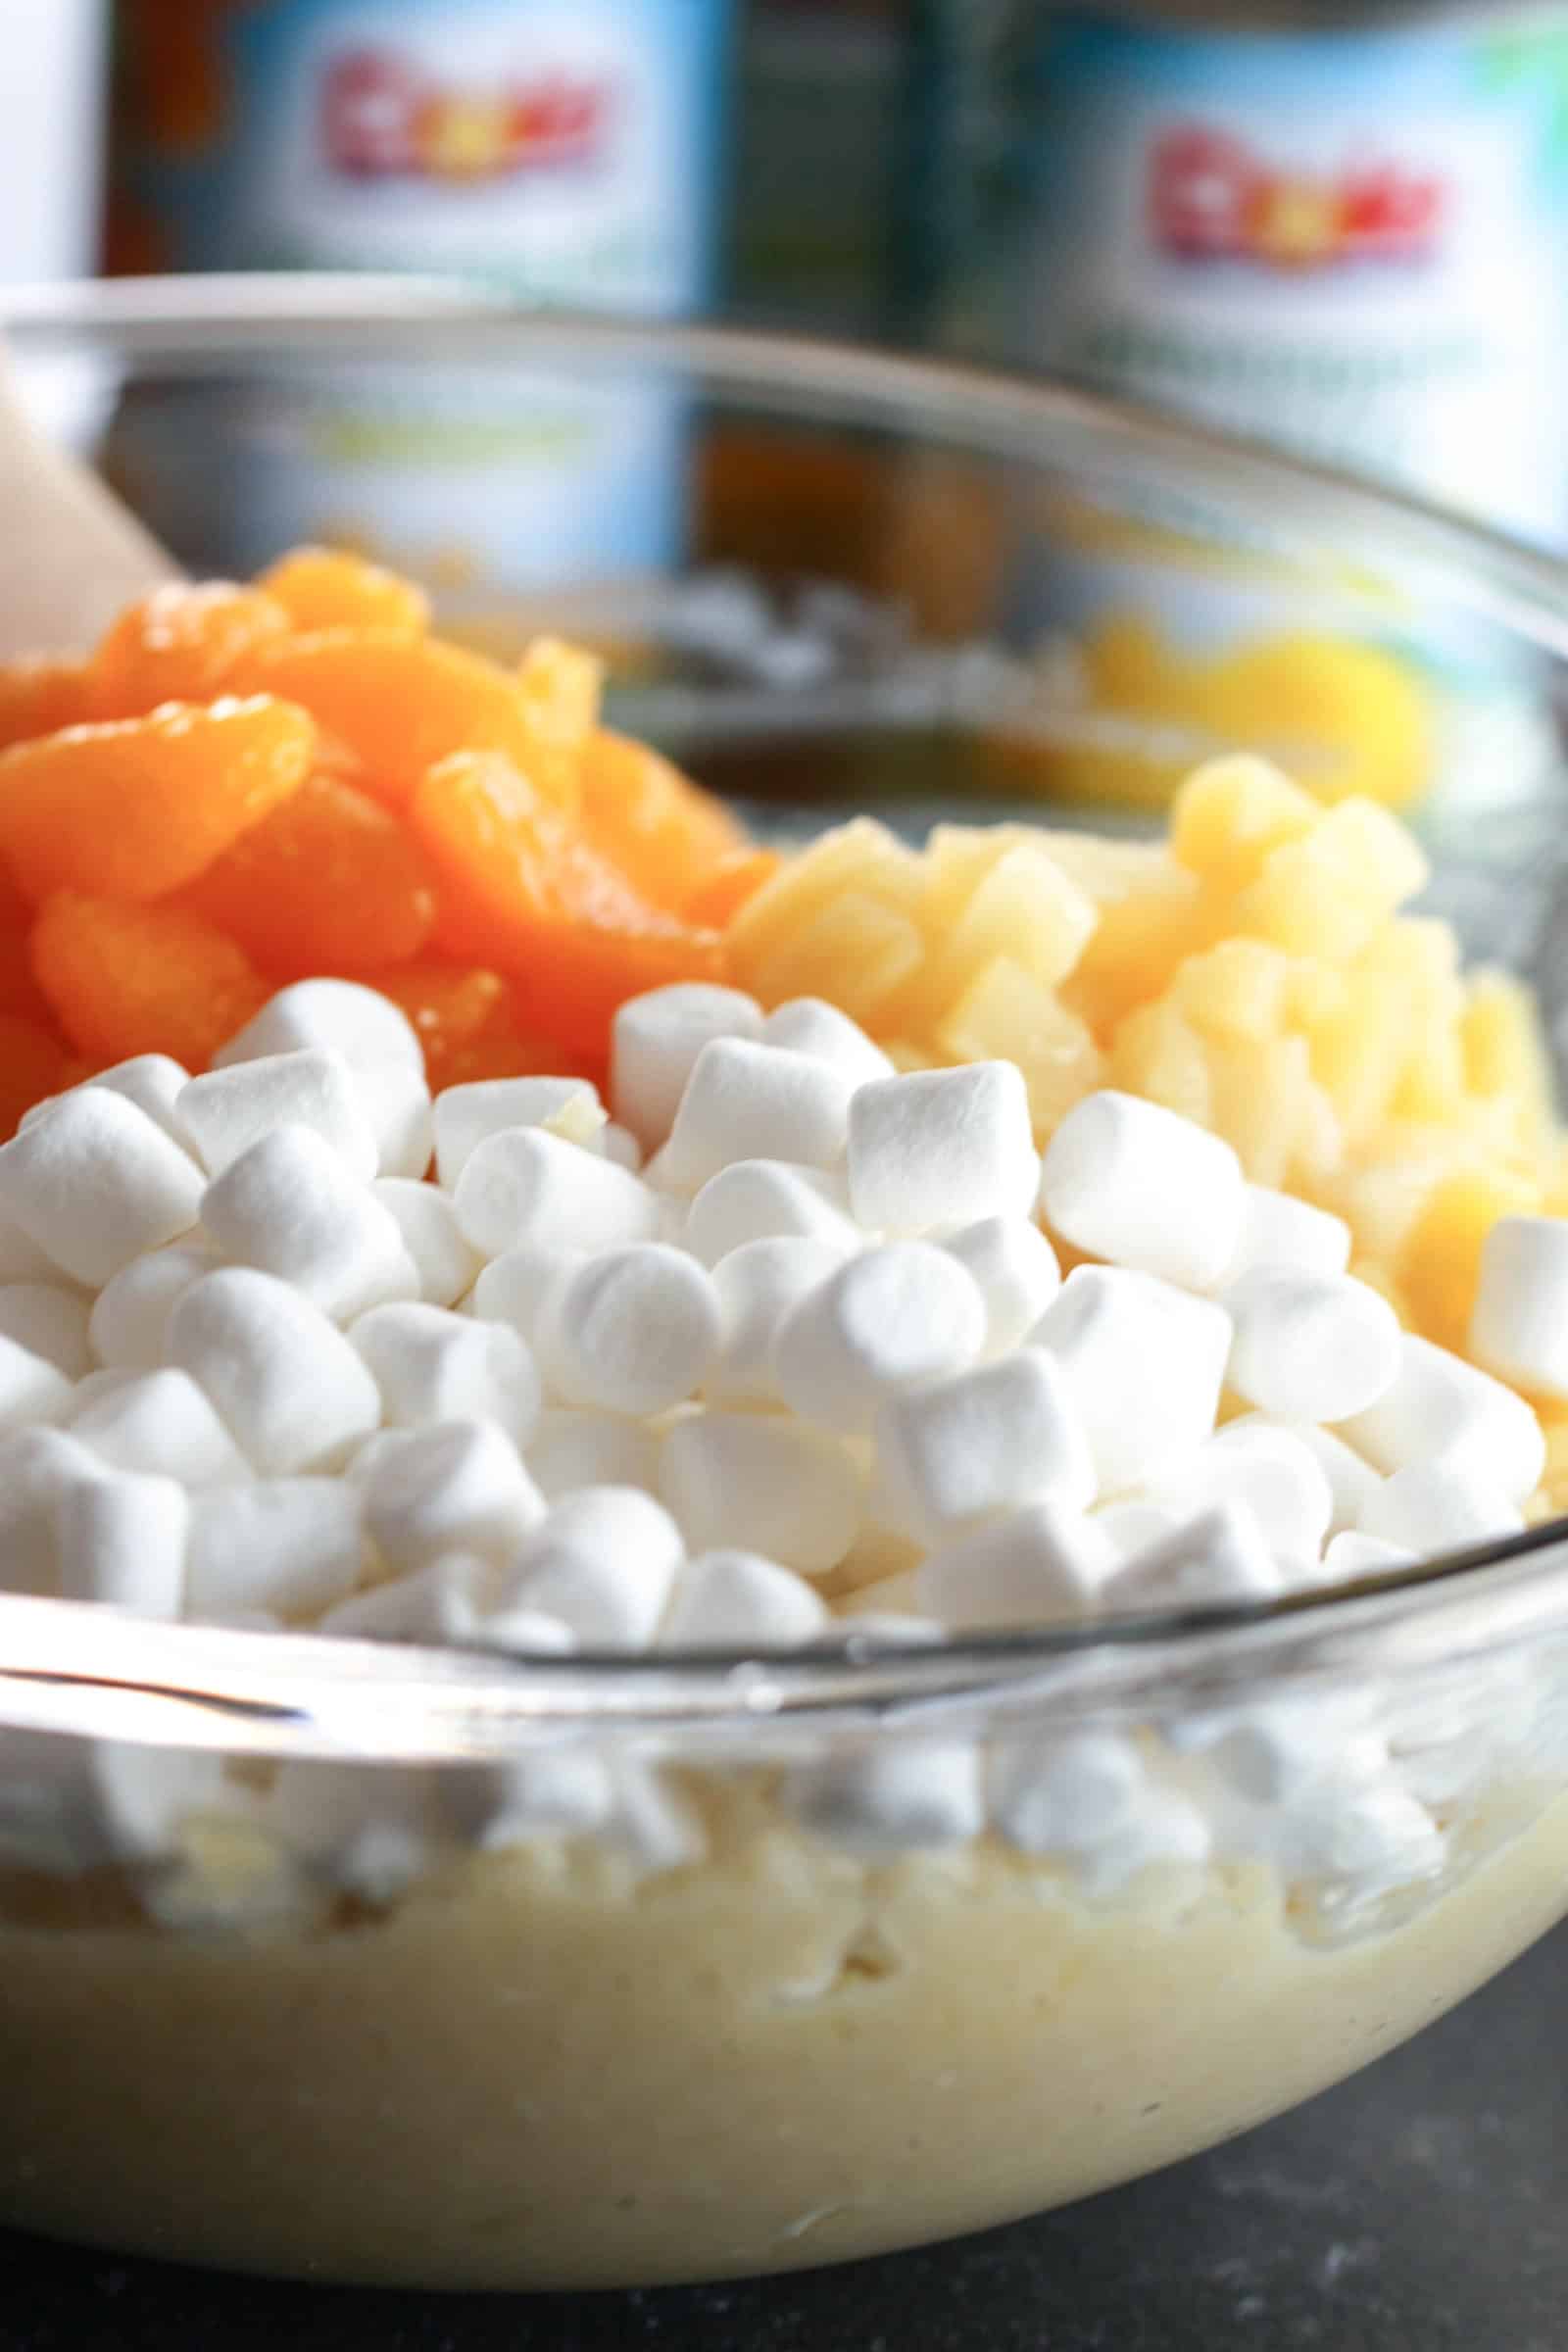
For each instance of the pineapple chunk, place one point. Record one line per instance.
(1329, 893)
(862, 857)
(1138, 947)
(1158, 1052)
(1235, 989)
(1505, 1055)
(1024, 909)
(1439, 1264)
(1260, 1103)
(1007, 1015)
(856, 950)
(1232, 813)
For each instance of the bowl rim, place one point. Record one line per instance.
(73, 1667)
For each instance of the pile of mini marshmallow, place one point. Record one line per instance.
(786, 1327)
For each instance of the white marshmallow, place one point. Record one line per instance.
(1439, 1505)
(431, 1365)
(160, 1423)
(460, 1487)
(340, 1015)
(982, 1443)
(634, 1331)
(811, 1025)
(1310, 1346)
(396, 1103)
(897, 1315)
(122, 1539)
(143, 1796)
(1135, 1183)
(293, 1393)
(287, 1205)
(653, 1826)
(745, 1482)
(571, 1449)
(1352, 1554)
(37, 1466)
(1039, 1566)
(1270, 1470)
(604, 1563)
(32, 1389)
(618, 1143)
(1278, 1230)
(1351, 1480)
(567, 1789)
(441, 1604)
(291, 1545)
(1439, 1406)
(128, 1326)
(1145, 1365)
(1016, 1270)
(1218, 1558)
(753, 1102)
(654, 1042)
(1164, 1831)
(758, 1287)
(942, 1147)
(22, 1260)
(442, 1260)
(891, 1798)
(1519, 1327)
(763, 1199)
(736, 1600)
(152, 1081)
(1132, 1527)
(96, 1183)
(465, 1116)
(514, 1287)
(368, 1829)
(525, 1186)
(223, 1114)
(1061, 1792)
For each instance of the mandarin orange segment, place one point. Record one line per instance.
(32, 1063)
(180, 644)
(132, 808)
(452, 1007)
(561, 687)
(329, 588)
(41, 694)
(732, 883)
(124, 980)
(18, 990)
(665, 831)
(521, 889)
(397, 705)
(330, 881)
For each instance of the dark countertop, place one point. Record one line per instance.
(1418, 2207)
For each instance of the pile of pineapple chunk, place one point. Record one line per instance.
(1252, 971)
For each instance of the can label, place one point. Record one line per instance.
(1349, 241)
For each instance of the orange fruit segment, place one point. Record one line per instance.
(330, 882)
(450, 1006)
(659, 827)
(180, 644)
(18, 990)
(733, 882)
(329, 588)
(41, 694)
(123, 980)
(32, 1063)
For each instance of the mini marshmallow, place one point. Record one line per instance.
(339, 1017)
(442, 1260)
(291, 1545)
(287, 1205)
(653, 1826)
(1016, 1269)
(292, 1391)
(1218, 1558)
(225, 1113)
(37, 1466)
(1145, 1363)
(465, 1116)
(96, 1183)
(1040, 1565)
(1278, 1230)
(1310, 1346)
(1440, 1407)
(160, 1423)
(1271, 1471)
(1368, 1841)
(514, 1287)
(1136, 1183)
(443, 1602)
(634, 1331)
(143, 1796)
(128, 1325)
(811, 1025)
(1351, 1480)
(765, 1200)
(894, 1317)
(152, 1081)
(1063, 1793)
(32, 1389)
(1439, 1505)
(1519, 1326)
(460, 1487)
(753, 1102)
(396, 1104)
(571, 1450)
(526, 1186)
(122, 1539)
(604, 1563)
(22, 1260)
(1280, 1751)
(431, 1365)
(982, 1443)
(368, 1829)
(563, 1791)
(942, 1147)
(744, 1481)
(618, 1143)
(654, 1042)
(891, 1798)
(1352, 1554)
(737, 1600)
(758, 1287)
(1164, 1831)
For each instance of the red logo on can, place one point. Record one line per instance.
(1212, 197)
(383, 116)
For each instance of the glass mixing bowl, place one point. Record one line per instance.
(782, 1959)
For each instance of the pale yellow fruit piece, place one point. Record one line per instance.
(862, 857)
(856, 950)
(1231, 813)
(1007, 1014)
(1024, 909)
(905, 1056)
(1439, 1263)
(1554, 1478)
(1328, 892)
(1158, 1052)
(1381, 1193)
(1315, 993)
(1505, 1054)
(1236, 990)
(1357, 1055)
(958, 859)
(1105, 870)
(1259, 1104)
(1138, 947)
(1318, 1153)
